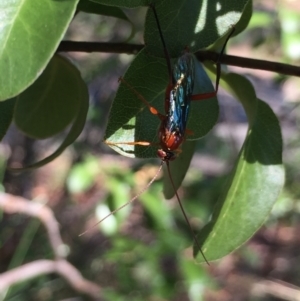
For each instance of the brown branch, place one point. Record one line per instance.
(276, 288)
(249, 63)
(14, 204)
(71, 46)
(42, 267)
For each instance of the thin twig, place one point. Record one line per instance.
(13, 204)
(276, 288)
(249, 63)
(72, 46)
(41, 267)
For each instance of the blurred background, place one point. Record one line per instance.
(144, 251)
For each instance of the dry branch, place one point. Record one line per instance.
(42, 267)
(230, 60)
(14, 204)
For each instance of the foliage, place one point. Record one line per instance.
(43, 93)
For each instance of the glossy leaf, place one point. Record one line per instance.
(30, 33)
(245, 18)
(92, 7)
(237, 28)
(194, 24)
(196, 17)
(76, 128)
(7, 111)
(255, 182)
(49, 105)
(125, 3)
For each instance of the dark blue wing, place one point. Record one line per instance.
(180, 96)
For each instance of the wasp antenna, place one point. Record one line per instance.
(167, 55)
(129, 202)
(184, 214)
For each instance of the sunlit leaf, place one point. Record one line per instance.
(30, 31)
(255, 182)
(194, 24)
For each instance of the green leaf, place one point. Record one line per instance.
(196, 17)
(125, 3)
(255, 182)
(157, 209)
(196, 24)
(196, 279)
(131, 121)
(245, 18)
(49, 105)
(289, 18)
(92, 7)
(76, 128)
(238, 27)
(82, 175)
(7, 111)
(261, 19)
(30, 33)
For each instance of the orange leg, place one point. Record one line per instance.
(143, 143)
